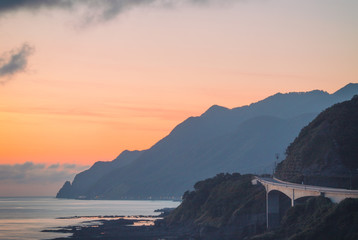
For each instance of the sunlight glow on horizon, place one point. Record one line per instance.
(88, 94)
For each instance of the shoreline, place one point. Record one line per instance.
(124, 228)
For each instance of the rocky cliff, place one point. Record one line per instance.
(226, 206)
(326, 151)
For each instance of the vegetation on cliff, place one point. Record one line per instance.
(325, 152)
(318, 218)
(227, 204)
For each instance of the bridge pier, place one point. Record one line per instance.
(272, 210)
(293, 198)
(277, 204)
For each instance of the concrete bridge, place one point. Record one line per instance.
(277, 192)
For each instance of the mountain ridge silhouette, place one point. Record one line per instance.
(243, 139)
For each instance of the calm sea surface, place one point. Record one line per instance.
(24, 218)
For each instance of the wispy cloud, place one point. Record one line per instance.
(95, 10)
(14, 61)
(31, 173)
(106, 112)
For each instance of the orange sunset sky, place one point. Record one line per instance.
(92, 82)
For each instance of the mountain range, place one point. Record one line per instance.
(244, 139)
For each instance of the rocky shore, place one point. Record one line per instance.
(126, 228)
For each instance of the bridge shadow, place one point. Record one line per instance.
(277, 206)
(302, 200)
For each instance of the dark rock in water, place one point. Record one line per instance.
(164, 211)
(125, 230)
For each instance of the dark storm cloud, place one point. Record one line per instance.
(37, 173)
(14, 61)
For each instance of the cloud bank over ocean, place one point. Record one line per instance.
(35, 179)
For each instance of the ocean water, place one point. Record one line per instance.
(25, 217)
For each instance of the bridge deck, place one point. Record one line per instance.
(277, 182)
(295, 191)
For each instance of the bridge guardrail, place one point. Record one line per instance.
(281, 183)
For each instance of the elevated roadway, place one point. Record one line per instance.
(295, 191)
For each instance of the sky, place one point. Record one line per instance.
(81, 81)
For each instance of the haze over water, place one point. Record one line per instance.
(24, 218)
